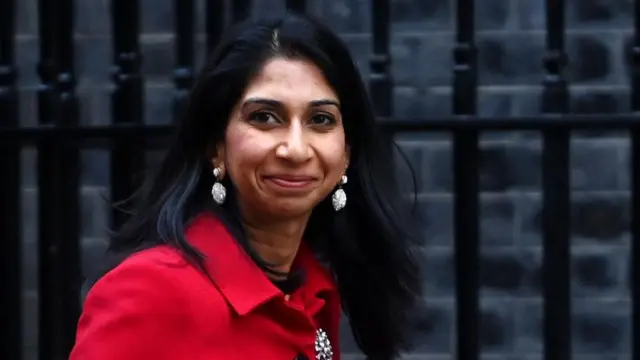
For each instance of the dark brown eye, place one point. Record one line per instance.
(322, 119)
(262, 117)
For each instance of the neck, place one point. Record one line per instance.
(277, 243)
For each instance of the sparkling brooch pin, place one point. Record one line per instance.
(323, 346)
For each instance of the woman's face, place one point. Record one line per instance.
(284, 147)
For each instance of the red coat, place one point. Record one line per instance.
(155, 306)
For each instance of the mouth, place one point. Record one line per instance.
(290, 181)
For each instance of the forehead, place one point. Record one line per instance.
(290, 81)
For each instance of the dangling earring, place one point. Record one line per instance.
(218, 191)
(339, 198)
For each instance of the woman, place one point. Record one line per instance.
(275, 209)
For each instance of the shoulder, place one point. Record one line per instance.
(147, 269)
(160, 273)
(145, 307)
(145, 282)
(159, 279)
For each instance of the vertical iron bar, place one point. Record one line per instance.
(241, 10)
(10, 221)
(183, 74)
(466, 186)
(47, 66)
(466, 230)
(127, 154)
(48, 179)
(465, 78)
(635, 187)
(297, 6)
(556, 194)
(67, 252)
(214, 22)
(380, 80)
(58, 186)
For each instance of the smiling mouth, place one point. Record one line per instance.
(290, 182)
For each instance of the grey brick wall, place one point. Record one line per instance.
(511, 44)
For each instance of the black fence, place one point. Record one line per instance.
(59, 138)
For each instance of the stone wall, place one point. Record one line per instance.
(511, 43)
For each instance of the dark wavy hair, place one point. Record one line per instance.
(369, 246)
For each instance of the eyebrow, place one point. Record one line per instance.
(278, 104)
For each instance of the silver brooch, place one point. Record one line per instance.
(323, 346)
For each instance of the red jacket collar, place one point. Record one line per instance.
(239, 279)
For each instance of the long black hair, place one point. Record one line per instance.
(369, 246)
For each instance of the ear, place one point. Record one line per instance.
(347, 157)
(217, 157)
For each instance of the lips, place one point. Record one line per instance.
(290, 181)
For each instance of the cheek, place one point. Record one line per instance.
(244, 151)
(332, 152)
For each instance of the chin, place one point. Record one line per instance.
(290, 207)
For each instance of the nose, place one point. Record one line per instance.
(295, 147)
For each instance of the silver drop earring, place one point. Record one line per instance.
(339, 198)
(323, 346)
(218, 191)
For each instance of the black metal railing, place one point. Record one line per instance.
(10, 255)
(59, 139)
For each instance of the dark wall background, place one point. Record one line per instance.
(511, 43)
